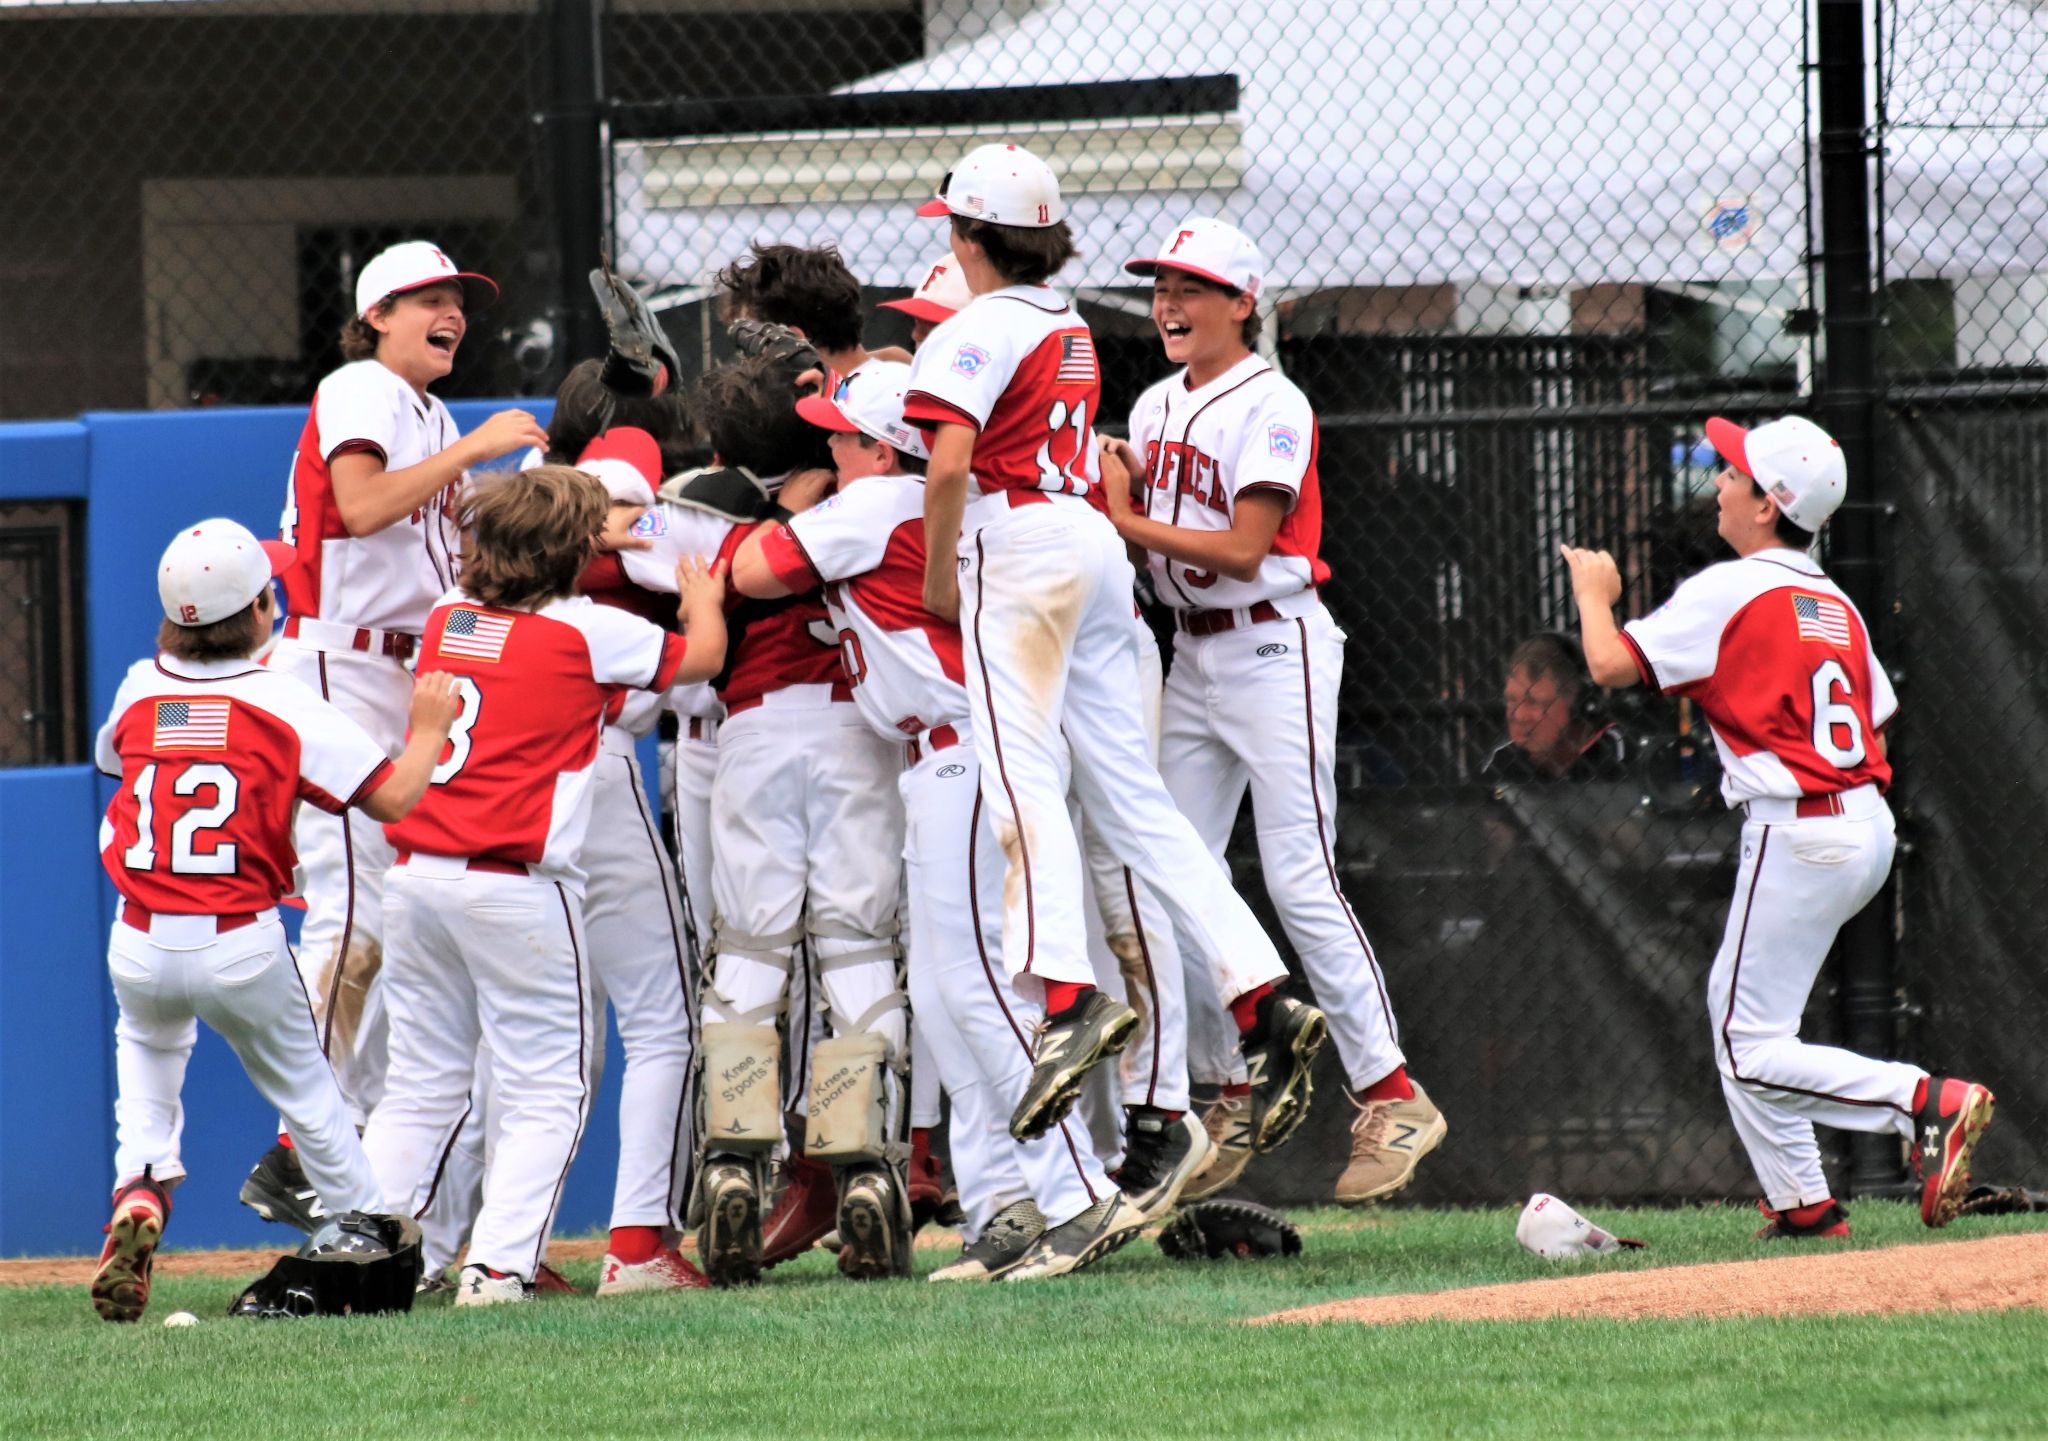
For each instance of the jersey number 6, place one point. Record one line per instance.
(1837, 729)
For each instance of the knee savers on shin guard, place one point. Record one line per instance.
(848, 1121)
(742, 1087)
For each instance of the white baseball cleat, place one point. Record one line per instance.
(668, 1271)
(478, 1286)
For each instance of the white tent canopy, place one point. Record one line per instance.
(1391, 142)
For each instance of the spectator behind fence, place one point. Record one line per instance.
(1558, 727)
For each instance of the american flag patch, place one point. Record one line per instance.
(1822, 619)
(474, 635)
(1077, 361)
(191, 725)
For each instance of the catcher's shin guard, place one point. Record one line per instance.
(741, 1088)
(849, 1100)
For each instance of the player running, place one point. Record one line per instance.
(1226, 450)
(1008, 389)
(214, 752)
(1780, 661)
(377, 475)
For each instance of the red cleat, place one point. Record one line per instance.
(120, 1287)
(808, 1208)
(1948, 1123)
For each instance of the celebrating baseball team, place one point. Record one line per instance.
(947, 850)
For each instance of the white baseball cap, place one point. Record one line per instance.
(215, 568)
(1550, 1228)
(1002, 184)
(1211, 249)
(1798, 464)
(414, 265)
(942, 293)
(870, 403)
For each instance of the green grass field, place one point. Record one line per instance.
(1137, 1347)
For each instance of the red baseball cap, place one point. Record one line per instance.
(1799, 465)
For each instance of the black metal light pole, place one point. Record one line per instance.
(573, 129)
(1849, 399)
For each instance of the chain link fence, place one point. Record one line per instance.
(1517, 252)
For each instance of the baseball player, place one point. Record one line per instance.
(214, 752)
(865, 547)
(1009, 388)
(810, 290)
(1780, 662)
(808, 854)
(486, 942)
(1226, 450)
(378, 469)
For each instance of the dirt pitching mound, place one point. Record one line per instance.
(1995, 1274)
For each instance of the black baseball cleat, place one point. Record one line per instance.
(1290, 1033)
(1104, 1227)
(1159, 1158)
(1004, 1243)
(1950, 1119)
(277, 1190)
(1829, 1224)
(1069, 1046)
(873, 1226)
(729, 1243)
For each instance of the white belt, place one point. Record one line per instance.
(807, 697)
(1859, 803)
(617, 740)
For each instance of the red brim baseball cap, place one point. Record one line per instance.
(1731, 443)
(934, 208)
(825, 415)
(282, 557)
(920, 309)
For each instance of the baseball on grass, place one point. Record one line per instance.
(181, 1318)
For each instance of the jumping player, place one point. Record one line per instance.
(865, 547)
(486, 935)
(1780, 662)
(1226, 450)
(377, 474)
(214, 751)
(1040, 581)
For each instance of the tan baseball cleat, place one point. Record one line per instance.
(1228, 1120)
(1388, 1140)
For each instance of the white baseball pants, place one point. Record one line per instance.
(978, 1027)
(1257, 707)
(809, 848)
(1045, 612)
(242, 983)
(633, 922)
(1799, 882)
(1138, 944)
(696, 766)
(477, 957)
(342, 863)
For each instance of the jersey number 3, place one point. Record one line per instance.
(197, 826)
(458, 734)
(1837, 728)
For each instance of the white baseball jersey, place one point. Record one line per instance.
(1249, 429)
(213, 757)
(1780, 661)
(389, 580)
(866, 545)
(1019, 366)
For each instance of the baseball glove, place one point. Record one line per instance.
(641, 360)
(1211, 1230)
(795, 355)
(2002, 1201)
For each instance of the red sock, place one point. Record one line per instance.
(1807, 1215)
(1920, 1092)
(1393, 1086)
(920, 1138)
(1160, 1111)
(286, 1141)
(1238, 1088)
(636, 1245)
(1245, 1009)
(1061, 995)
